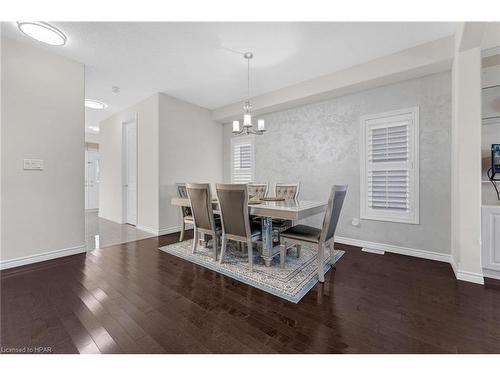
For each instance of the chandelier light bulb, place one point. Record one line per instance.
(261, 126)
(247, 119)
(236, 126)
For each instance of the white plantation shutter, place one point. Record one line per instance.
(389, 166)
(242, 160)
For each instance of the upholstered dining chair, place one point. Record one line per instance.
(287, 191)
(236, 224)
(200, 199)
(321, 238)
(186, 214)
(256, 190)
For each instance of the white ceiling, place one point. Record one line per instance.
(193, 61)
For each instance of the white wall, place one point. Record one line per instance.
(110, 149)
(92, 137)
(42, 118)
(177, 142)
(466, 155)
(190, 151)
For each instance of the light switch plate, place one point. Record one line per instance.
(37, 164)
(33, 164)
(27, 163)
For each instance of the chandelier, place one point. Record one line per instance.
(247, 110)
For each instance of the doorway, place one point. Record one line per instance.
(92, 177)
(130, 172)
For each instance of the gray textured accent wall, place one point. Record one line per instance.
(318, 145)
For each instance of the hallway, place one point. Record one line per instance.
(101, 232)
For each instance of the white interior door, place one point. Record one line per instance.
(91, 179)
(130, 186)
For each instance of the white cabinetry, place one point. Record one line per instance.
(490, 239)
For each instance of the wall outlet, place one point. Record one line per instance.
(33, 164)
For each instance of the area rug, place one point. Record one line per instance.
(291, 283)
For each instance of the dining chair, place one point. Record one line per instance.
(256, 190)
(236, 224)
(186, 214)
(287, 191)
(322, 238)
(200, 200)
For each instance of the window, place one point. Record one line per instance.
(389, 166)
(242, 159)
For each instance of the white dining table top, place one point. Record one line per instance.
(290, 209)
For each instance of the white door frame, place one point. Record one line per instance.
(124, 169)
(89, 152)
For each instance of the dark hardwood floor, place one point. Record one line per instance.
(133, 298)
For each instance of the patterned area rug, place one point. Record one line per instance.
(291, 283)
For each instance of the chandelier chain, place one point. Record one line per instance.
(248, 79)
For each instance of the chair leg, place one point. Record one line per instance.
(195, 240)
(321, 257)
(250, 255)
(297, 249)
(183, 228)
(222, 249)
(215, 245)
(282, 254)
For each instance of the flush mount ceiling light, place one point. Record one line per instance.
(43, 32)
(95, 104)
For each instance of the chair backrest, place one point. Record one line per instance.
(182, 193)
(200, 200)
(257, 190)
(181, 190)
(233, 204)
(335, 202)
(287, 191)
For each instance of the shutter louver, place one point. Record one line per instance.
(388, 189)
(388, 144)
(242, 162)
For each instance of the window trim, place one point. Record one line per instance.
(237, 141)
(413, 217)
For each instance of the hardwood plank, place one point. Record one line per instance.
(133, 298)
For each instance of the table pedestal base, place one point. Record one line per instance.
(269, 251)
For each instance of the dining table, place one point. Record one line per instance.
(267, 210)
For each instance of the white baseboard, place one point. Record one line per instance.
(471, 277)
(426, 254)
(147, 229)
(162, 231)
(22, 261)
(373, 251)
(174, 229)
